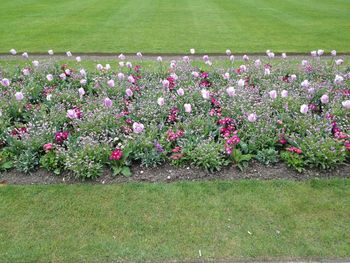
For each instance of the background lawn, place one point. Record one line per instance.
(138, 222)
(174, 26)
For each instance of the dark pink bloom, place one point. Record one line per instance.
(116, 155)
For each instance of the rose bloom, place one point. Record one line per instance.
(180, 92)
(107, 102)
(19, 96)
(324, 99)
(137, 127)
(273, 94)
(230, 91)
(252, 117)
(116, 155)
(304, 109)
(160, 101)
(188, 108)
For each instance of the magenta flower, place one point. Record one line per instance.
(116, 155)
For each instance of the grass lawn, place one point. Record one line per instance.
(174, 26)
(137, 222)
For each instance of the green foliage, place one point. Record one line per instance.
(239, 159)
(52, 162)
(27, 161)
(6, 159)
(293, 160)
(267, 156)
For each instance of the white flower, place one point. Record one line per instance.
(333, 53)
(313, 53)
(304, 109)
(19, 96)
(192, 51)
(160, 101)
(25, 55)
(35, 63)
(69, 54)
(241, 83)
(159, 59)
(284, 94)
(320, 52)
(252, 117)
(49, 77)
(205, 94)
(188, 108)
(284, 55)
(13, 51)
(228, 52)
(305, 83)
(338, 79)
(273, 94)
(121, 57)
(50, 52)
(49, 97)
(324, 99)
(230, 91)
(78, 59)
(346, 104)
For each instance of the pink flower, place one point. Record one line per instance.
(226, 76)
(5, 82)
(128, 64)
(62, 76)
(339, 61)
(245, 58)
(83, 82)
(25, 55)
(186, 59)
(293, 77)
(324, 99)
(110, 83)
(338, 79)
(320, 52)
(138, 127)
(78, 59)
(131, 79)
(205, 94)
(294, 150)
(346, 104)
(195, 74)
(180, 92)
(257, 63)
(99, 67)
(49, 77)
(241, 83)
(230, 91)
(107, 102)
(267, 72)
(273, 94)
(60, 137)
(188, 108)
(129, 92)
(48, 147)
(284, 94)
(139, 54)
(252, 117)
(232, 58)
(305, 84)
(333, 53)
(206, 58)
(71, 114)
(82, 72)
(81, 92)
(121, 76)
(116, 155)
(13, 51)
(304, 109)
(35, 63)
(165, 83)
(19, 96)
(121, 57)
(160, 101)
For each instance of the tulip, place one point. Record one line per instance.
(99, 67)
(284, 55)
(205, 57)
(320, 52)
(228, 52)
(304, 62)
(180, 92)
(188, 108)
(230, 91)
(48, 147)
(267, 71)
(128, 64)
(304, 109)
(69, 54)
(192, 51)
(271, 55)
(139, 54)
(159, 59)
(226, 76)
(293, 77)
(5, 82)
(165, 83)
(81, 92)
(13, 51)
(257, 63)
(78, 59)
(82, 72)
(186, 59)
(333, 53)
(50, 52)
(338, 79)
(252, 117)
(129, 92)
(245, 58)
(131, 79)
(108, 67)
(195, 74)
(107, 102)
(346, 104)
(232, 58)
(83, 82)
(324, 99)
(26, 72)
(305, 84)
(48, 97)
(205, 94)
(243, 68)
(273, 94)
(160, 101)
(313, 53)
(19, 96)
(25, 55)
(208, 62)
(121, 56)
(111, 83)
(339, 61)
(35, 63)
(62, 76)
(138, 127)
(241, 83)
(121, 76)
(284, 94)
(49, 77)
(121, 64)
(71, 114)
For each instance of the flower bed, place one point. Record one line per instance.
(64, 118)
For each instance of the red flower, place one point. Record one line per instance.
(116, 155)
(48, 147)
(294, 150)
(60, 137)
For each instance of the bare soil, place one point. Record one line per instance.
(167, 173)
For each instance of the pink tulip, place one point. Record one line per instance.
(26, 72)
(205, 57)
(25, 55)
(339, 61)
(284, 94)
(313, 53)
(186, 59)
(293, 77)
(273, 94)
(324, 99)
(188, 108)
(320, 52)
(165, 83)
(245, 58)
(81, 92)
(304, 109)
(160, 101)
(99, 67)
(267, 72)
(180, 92)
(346, 104)
(83, 82)
(305, 84)
(49, 77)
(121, 57)
(121, 76)
(5, 82)
(232, 58)
(129, 92)
(138, 127)
(226, 76)
(257, 63)
(230, 91)
(241, 83)
(62, 76)
(195, 74)
(107, 102)
(71, 114)
(82, 72)
(333, 53)
(19, 96)
(131, 79)
(252, 117)
(338, 79)
(205, 94)
(48, 147)
(111, 83)
(284, 55)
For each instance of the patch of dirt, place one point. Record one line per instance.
(167, 173)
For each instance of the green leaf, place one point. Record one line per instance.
(7, 165)
(126, 171)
